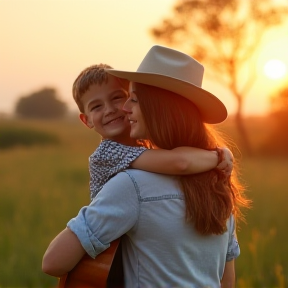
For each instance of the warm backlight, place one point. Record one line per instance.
(275, 69)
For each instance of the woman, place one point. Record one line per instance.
(209, 198)
(154, 114)
(175, 235)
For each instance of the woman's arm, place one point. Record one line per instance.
(228, 279)
(63, 253)
(109, 216)
(183, 161)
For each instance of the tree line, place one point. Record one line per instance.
(45, 104)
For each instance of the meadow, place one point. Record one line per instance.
(43, 186)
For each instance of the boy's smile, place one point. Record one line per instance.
(115, 120)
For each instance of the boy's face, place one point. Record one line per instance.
(103, 110)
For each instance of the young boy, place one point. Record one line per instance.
(100, 98)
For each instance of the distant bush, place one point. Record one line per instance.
(277, 139)
(11, 136)
(42, 104)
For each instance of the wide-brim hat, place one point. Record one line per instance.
(175, 71)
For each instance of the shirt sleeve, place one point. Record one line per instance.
(112, 213)
(109, 159)
(233, 246)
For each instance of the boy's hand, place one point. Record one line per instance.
(226, 165)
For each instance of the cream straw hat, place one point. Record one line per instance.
(175, 71)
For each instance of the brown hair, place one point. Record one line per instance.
(94, 74)
(174, 121)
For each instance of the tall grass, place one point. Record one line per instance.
(42, 187)
(263, 261)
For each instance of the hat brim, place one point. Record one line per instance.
(211, 109)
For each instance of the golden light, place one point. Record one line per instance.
(275, 69)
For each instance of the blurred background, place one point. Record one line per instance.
(44, 148)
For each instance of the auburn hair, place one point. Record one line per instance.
(173, 121)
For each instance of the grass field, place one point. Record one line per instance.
(42, 187)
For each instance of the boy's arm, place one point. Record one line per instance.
(183, 161)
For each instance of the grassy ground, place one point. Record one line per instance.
(263, 261)
(42, 187)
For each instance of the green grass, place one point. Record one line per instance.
(263, 261)
(42, 187)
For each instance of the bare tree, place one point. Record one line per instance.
(223, 35)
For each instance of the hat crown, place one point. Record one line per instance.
(177, 72)
(165, 61)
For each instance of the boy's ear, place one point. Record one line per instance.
(84, 119)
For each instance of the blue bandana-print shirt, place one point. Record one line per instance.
(109, 159)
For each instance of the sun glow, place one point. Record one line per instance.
(275, 69)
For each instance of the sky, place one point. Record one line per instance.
(47, 43)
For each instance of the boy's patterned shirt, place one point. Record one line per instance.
(109, 159)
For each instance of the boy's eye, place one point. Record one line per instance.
(119, 97)
(95, 107)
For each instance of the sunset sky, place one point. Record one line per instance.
(48, 42)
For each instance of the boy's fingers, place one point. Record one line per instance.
(222, 165)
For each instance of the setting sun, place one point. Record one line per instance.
(275, 69)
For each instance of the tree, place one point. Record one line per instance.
(43, 104)
(224, 35)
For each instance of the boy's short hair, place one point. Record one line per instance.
(94, 74)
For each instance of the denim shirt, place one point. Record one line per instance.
(160, 249)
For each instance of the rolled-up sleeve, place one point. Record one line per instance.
(112, 213)
(233, 246)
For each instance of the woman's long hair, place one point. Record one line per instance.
(174, 121)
